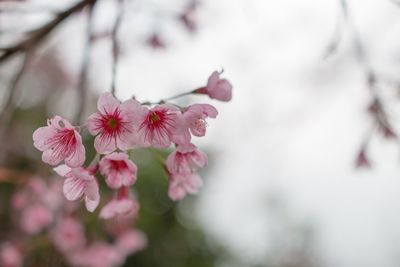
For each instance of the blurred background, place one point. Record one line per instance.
(303, 162)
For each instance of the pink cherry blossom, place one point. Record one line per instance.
(186, 158)
(181, 184)
(157, 126)
(113, 124)
(68, 235)
(217, 88)
(59, 141)
(10, 255)
(98, 254)
(80, 183)
(123, 205)
(131, 241)
(118, 170)
(35, 218)
(194, 119)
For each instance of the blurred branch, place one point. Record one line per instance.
(83, 80)
(376, 108)
(15, 177)
(38, 35)
(6, 113)
(115, 45)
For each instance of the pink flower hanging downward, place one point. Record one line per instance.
(186, 158)
(68, 235)
(157, 126)
(181, 184)
(59, 141)
(193, 121)
(118, 170)
(124, 205)
(113, 124)
(217, 88)
(80, 183)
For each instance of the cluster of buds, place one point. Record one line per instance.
(119, 127)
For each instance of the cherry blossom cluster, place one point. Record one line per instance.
(121, 126)
(42, 212)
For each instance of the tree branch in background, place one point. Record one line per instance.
(115, 45)
(38, 35)
(376, 108)
(6, 113)
(83, 79)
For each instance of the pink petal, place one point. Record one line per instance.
(73, 188)
(41, 135)
(59, 123)
(93, 123)
(51, 157)
(104, 144)
(107, 103)
(213, 79)
(77, 158)
(91, 204)
(62, 170)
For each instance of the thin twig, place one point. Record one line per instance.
(115, 45)
(38, 35)
(83, 81)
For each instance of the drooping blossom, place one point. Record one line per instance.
(193, 121)
(131, 241)
(181, 184)
(157, 126)
(123, 205)
(113, 124)
(80, 183)
(10, 255)
(217, 88)
(186, 158)
(59, 141)
(155, 41)
(118, 170)
(68, 235)
(35, 218)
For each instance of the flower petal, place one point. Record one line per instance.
(73, 188)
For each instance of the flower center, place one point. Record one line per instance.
(154, 117)
(112, 123)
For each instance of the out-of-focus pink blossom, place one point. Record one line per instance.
(19, 200)
(181, 184)
(59, 141)
(118, 170)
(98, 254)
(35, 218)
(123, 205)
(80, 183)
(113, 124)
(157, 126)
(131, 241)
(155, 42)
(68, 235)
(10, 256)
(186, 158)
(217, 88)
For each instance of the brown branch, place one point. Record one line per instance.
(83, 81)
(38, 35)
(115, 45)
(6, 113)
